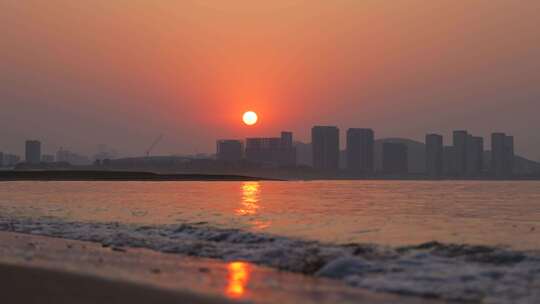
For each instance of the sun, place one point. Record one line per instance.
(250, 118)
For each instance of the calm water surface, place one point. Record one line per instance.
(383, 212)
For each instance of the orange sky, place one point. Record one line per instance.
(77, 74)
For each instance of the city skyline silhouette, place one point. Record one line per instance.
(283, 151)
(365, 156)
(80, 90)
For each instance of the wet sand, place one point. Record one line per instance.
(36, 269)
(23, 284)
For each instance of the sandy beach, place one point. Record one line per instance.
(36, 269)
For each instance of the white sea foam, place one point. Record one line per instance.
(446, 271)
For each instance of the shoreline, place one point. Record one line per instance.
(34, 268)
(91, 175)
(126, 175)
(264, 268)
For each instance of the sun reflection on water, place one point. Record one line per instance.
(250, 198)
(251, 203)
(237, 279)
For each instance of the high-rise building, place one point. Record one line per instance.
(449, 161)
(360, 150)
(33, 151)
(325, 145)
(502, 155)
(229, 150)
(509, 148)
(287, 154)
(498, 154)
(275, 151)
(304, 154)
(434, 155)
(286, 139)
(475, 156)
(395, 159)
(460, 150)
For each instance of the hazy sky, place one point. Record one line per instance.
(80, 73)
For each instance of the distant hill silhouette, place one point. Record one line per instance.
(526, 166)
(416, 156)
(521, 164)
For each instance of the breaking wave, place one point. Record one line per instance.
(446, 271)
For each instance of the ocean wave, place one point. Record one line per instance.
(447, 271)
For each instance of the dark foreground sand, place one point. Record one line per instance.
(35, 269)
(23, 284)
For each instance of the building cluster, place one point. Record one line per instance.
(9, 160)
(270, 151)
(360, 152)
(33, 155)
(325, 149)
(465, 157)
(32, 151)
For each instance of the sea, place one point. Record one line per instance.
(476, 241)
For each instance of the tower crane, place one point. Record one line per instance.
(153, 145)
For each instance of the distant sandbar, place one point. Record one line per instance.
(94, 175)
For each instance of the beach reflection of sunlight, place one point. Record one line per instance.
(237, 279)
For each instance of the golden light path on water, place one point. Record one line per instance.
(382, 212)
(250, 198)
(250, 203)
(239, 272)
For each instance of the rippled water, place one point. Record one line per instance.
(382, 212)
(309, 227)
